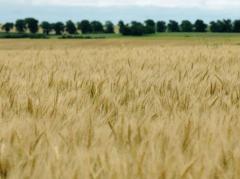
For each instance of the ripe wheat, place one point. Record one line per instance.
(131, 110)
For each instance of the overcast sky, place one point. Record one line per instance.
(119, 9)
(219, 4)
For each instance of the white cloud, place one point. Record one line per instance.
(216, 4)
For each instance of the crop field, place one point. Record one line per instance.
(120, 108)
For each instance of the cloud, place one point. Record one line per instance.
(214, 4)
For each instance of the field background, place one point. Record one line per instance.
(120, 108)
(117, 39)
(156, 36)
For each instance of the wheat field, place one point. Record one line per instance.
(119, 109)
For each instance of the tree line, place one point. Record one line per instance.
(149, 26)
(32, 25)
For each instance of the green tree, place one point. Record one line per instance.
(200, 26)
(124, 29)
(20, 25)
(58, 28)
(186, 26)
(236, 26)
(150, 26)
(121, 27)
(32, 25)
(7, 27)
(85, 26)
(46, 26)
(173, 26)
(70, 27)
(109, 27)
(214, 26)
(226, 25)
(97, 27)
(137, 28)
(161, 26)
(222, 26)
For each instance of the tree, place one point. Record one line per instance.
(124, 29)
(47, 27)
(186, 26)
(121, 27)
(137, 28)
(173, 26)
(70, 27)
(7, 27)
(236, 26)
(85, 26)
(161, 26)
(58, 28)
(150, 26)
(214, 27)
(32, 25)
(109, 27)
(97, 27)
(20, 25)
(226, 25)
(200, 26)
(222, 26)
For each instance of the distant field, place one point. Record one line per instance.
(125, 108)
(174, 36)
(165, 39)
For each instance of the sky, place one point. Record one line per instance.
(212, 4)
(54, 10)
